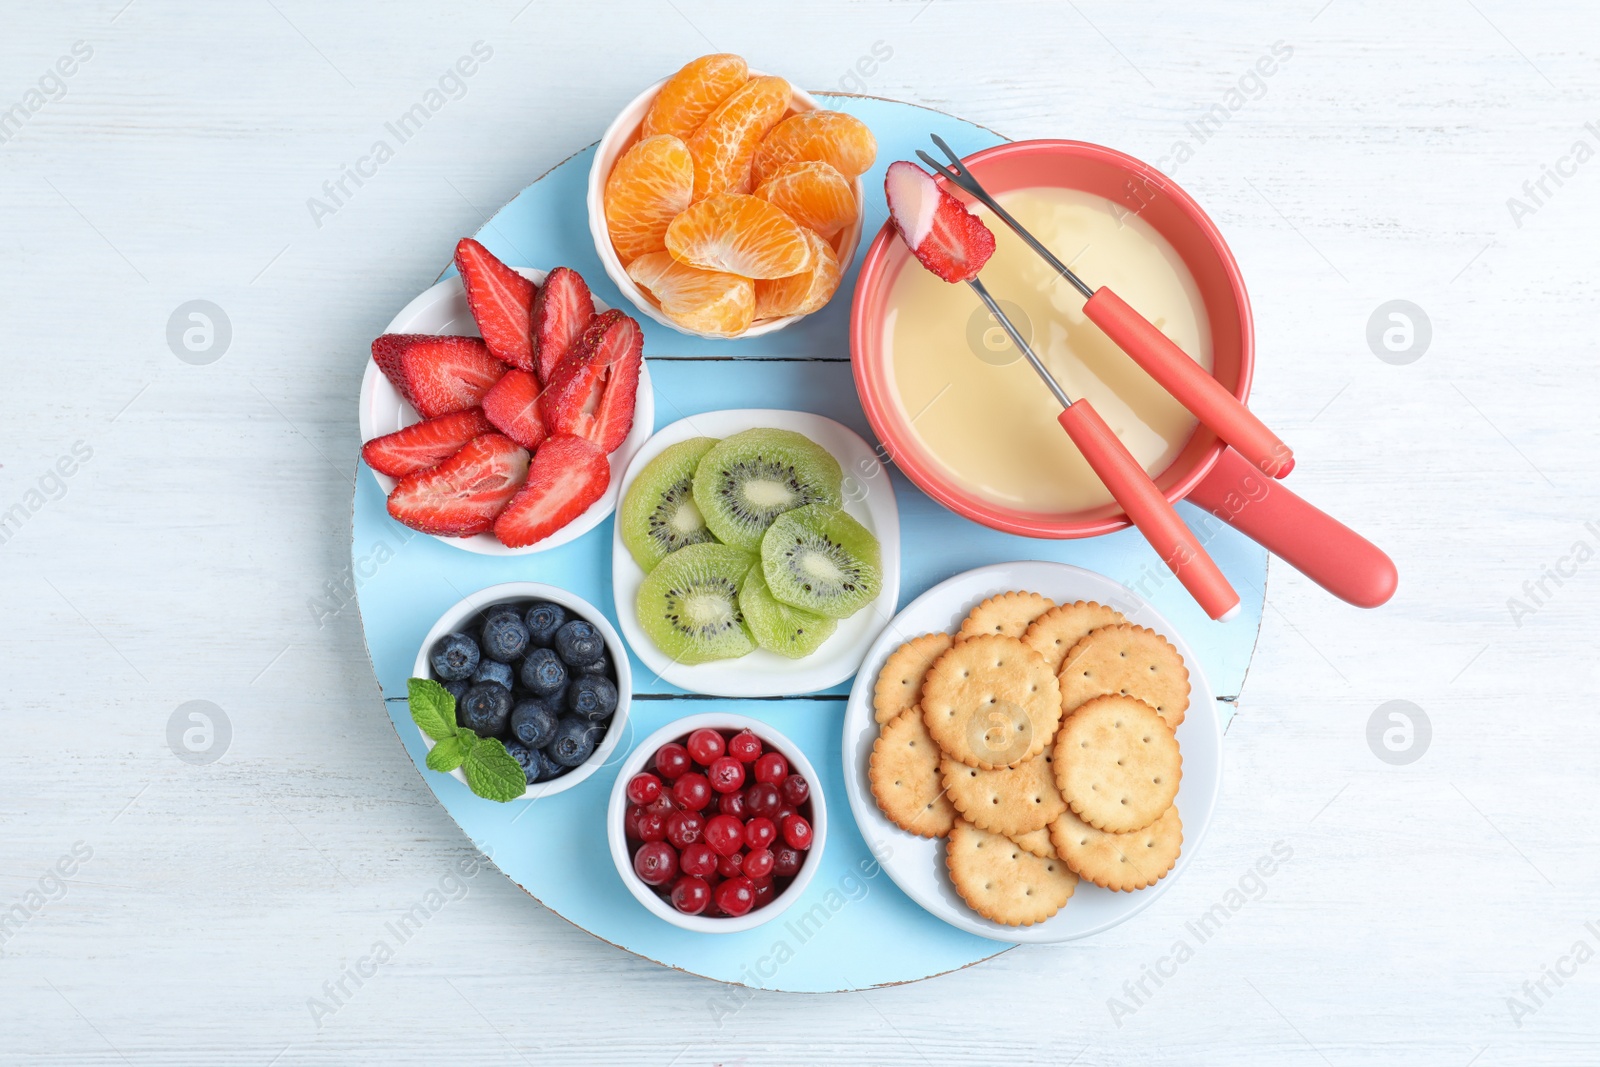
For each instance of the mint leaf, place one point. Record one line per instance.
(433, 709)
(448, 754)
(492, 773)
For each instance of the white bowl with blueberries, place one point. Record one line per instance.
(535, 669)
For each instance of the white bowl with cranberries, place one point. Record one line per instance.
(716, 823)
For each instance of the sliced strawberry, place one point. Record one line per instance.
(591, 393)
(501, 301)
(948, 239)
(461, 496)
(566, 476)
(437, 375)
(562, 309)
(513, 406)
(424, 444)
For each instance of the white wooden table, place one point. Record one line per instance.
(173, 524)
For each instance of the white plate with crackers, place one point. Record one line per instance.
(1047, 750)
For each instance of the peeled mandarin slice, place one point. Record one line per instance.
(832, 137)
(725, 142)
(701, 300)
(739, 234)
(649, 186)
(803, 293)
(812, 193)
(693, 93)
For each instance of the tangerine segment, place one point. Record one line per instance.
(693, 93)
(830, 136)
(812, 193)
(725, 142)
(803, 293)
(701, 300)
(649, 186)
(739, 234)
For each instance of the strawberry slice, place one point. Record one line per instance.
(461, 496)
(566, 476)
(562, 309)
(946, 238)
(424, 444)
(513, 406)
(436, 374)
(501, 301)
(592, 391)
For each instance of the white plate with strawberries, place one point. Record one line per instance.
(498, 413)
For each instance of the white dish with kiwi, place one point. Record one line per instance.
(837, 569)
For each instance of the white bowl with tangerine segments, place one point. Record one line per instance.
(443, 309)
(468, 612)
(622, 854)
(868, 498)
(618, 138)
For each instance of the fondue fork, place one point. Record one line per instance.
(1188, 382)
(1146, 505)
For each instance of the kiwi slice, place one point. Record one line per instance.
(819, 559)
(689, 604)
(751, 478)
(659, 515)
(777, 627)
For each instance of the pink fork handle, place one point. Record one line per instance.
(1186, 380)
(1312, 542)
(1147, 506)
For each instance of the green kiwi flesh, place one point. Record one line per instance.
(747, 480)
(689, 604)
(777, 627)
(658, 514)
(819, 559)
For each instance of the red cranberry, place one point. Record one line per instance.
(652, 825)
(691, 791)
(736, 896)
(726, 774)
(684, 828)
(797, 832)
(733, 804)
(643, 788)
(731, 866)
(724, 834)
(662, 803)
(765, 891)
(691, 895)
(630, 821)
(705, 745)
(672, 759)
(772, 768)
(699, 860)
(762, 799)
(796, 789)
(757, 863)
(760, 832)
(783, 813)
(655, 863)
(786, 861)
(744, 746)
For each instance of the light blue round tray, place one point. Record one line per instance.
(854, 928)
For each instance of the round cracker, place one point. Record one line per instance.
(1037, 842)
(1117, 763)
(1009, 614)
(1123, 862)
(904, 772)
(900, 680)
(1002, 881)
(1132, 661)
(990, 701)
(1010, 801)
(1053, 634)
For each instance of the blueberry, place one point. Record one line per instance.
(549, 768)
(457, 690)
(592, 696)
(543, 620)
(579, 644)
(574, 740)
(490, 670)
(485, 709)
(599, 666)
(503, 608)
(527, 758)
(533, 722)
(455, 657)
(504, 638)
(543, 672)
